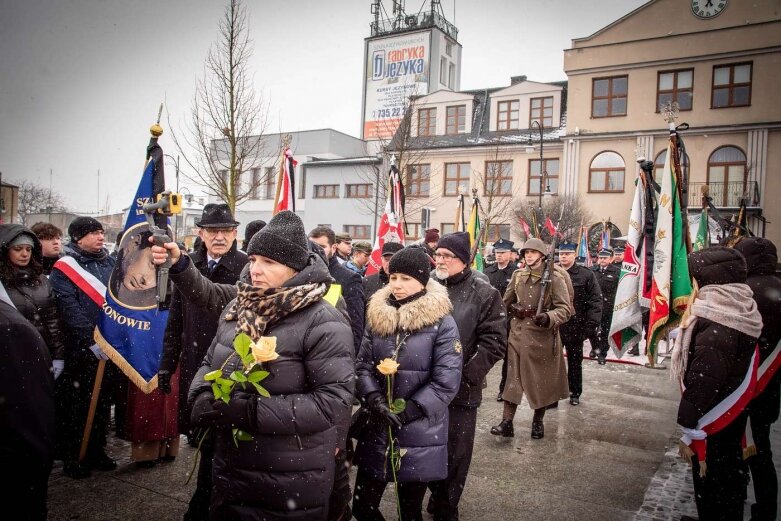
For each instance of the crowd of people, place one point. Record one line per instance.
(384, 372)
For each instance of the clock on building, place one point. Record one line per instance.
(706, 9)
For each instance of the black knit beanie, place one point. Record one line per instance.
(252, 228)
(717, 265)
(459, 244)
(283, 239)
(413, 262)
(83, 226)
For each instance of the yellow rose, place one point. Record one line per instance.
(265, 350)
(388, 366)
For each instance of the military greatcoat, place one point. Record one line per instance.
(535, 357)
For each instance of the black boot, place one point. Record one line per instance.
(101, 461)
(499, 397)
(592, 354)
(504, 429)
(538, 430)
(635, 351)
(574, 399)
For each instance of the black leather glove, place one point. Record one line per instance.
(164, 381)
(541, 320)
(379, 406)
(202, 405)
(411, 412)
(239, 412)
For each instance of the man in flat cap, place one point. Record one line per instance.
(344, 247)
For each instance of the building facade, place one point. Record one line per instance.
(720, 64)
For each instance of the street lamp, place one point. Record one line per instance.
(544, 181)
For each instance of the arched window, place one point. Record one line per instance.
(606, 173)
(659, 163)
(726, 173)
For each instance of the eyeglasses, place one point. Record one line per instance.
(217, 231)
(445, 256)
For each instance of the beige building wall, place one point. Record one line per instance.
(663, 35)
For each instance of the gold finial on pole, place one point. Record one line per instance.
(286, 140)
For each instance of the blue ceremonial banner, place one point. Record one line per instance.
(131, 328)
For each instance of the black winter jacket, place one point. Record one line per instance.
(191, 328)
(500, 278)
(608, 283)
(719, 357)
(428, 378)
(32, 296)
(374, 283)
(27, 387)
(588, 305)
(482, 325)
(352, 291)
(78, 312)
(287, 470)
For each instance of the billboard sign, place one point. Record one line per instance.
(396, 68)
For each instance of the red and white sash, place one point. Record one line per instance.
(724, 412)
(83, 279)
(768, 369)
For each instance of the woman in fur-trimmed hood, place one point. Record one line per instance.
(408, 321)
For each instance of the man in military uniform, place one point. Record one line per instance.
(535, 361)
(588, 311)
(607, 276)
(618, 256)
(499, 275)
(343, 247)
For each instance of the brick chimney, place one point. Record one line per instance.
(517, 79)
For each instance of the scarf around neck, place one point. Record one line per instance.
(256, 309)
(731, 305)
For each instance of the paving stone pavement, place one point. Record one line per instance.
(670, 493)
(596, 462)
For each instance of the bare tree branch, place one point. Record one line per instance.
(34, 198)
(574, 214)
(228, 117)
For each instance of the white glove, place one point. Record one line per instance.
(57, 367)
(689, 435)
(100, 355)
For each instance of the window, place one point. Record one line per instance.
(445, 228)
(507, 115)
(326, 192)
(606, 173)
(451, 78)
(443, 70)
(263, 185)
(427, 122)
(358, 231)
(456, 176)
(448, 48)
(726, 172)
(413, 231)
(418, 180)
(456, 116)
(675, 86)
(541, 111)
(494, 232)
(498, 178)
(270, 184)
(255, 188)
(731, 86)
(359, 191)
(608, 96)
(551, 168)
(659, 164)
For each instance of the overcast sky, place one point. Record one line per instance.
(81, 80)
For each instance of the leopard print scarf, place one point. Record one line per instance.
(256, 309)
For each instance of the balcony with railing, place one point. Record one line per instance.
(725, 194)
(413, 22)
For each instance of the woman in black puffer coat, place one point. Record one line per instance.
(712, 356)
(409, 321)
(21, 273)
(287, 470)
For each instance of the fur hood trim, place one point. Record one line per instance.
(385, 320)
